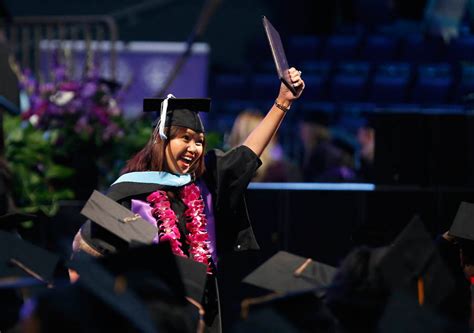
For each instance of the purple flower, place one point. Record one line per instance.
(89, 89)
(70, 105)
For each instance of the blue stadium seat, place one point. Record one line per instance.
(315, 87)
(465, 87)
(321, 68)
(461, 49)
(316, 75)
(349, 84)
(230, 86)
(379, 48)
(416, 48)
(302, 48)
(390, 83)
(264, 86)
(433, 85)
(340, 48)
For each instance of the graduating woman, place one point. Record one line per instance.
(195, 200)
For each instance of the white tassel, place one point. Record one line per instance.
(164, 109)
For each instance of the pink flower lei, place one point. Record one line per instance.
(196, 222)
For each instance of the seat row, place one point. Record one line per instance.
(414, 48)
(440, 83)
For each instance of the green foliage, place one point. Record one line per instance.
(30, 153)
(36, 158)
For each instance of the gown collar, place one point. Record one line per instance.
(155, 177)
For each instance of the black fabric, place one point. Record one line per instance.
(457, 306)
(227, 177)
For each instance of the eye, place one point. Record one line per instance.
(186, 137)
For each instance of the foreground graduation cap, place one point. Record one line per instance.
(181, 112)
(20, 259)
(463, 223)
(413, 264)
(404, 314)
(99, 300)
(117, 219)
(158, 265)
(286, 272)
(293, 312)
(156, 276)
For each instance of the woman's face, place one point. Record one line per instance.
(183, 151)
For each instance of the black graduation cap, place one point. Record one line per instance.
(20, 259)
(156, 267)
(404, 314)
(293, 312)
(119, 220)
(413, 264)
(113, 292)
(463, 223)
(112, 85)
(181, 112)
(286, 272)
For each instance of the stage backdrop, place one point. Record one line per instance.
(142, 67)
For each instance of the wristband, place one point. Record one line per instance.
(281, 107)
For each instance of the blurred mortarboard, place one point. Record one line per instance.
(114, 293)
(14, 218)
(159, 268)
(118, 220)
(403, 314)
(294, 312)
(414, 265)
(182, 112)
(286, 272)
(20, 259)
(113, 85)
(463, 223)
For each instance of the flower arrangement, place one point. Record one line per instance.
(84, 109)
(71, 138)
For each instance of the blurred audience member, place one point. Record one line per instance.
(275, 165)
(358, 294)
(366, 140)
(324, 160)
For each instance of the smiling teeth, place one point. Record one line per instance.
(187, 159)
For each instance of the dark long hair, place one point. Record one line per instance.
(152, 157)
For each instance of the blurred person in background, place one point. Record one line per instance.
(275, 165)
(324, 160)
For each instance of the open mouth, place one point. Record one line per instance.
(186, 161)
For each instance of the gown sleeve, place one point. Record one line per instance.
(230, 173)
(227, 177)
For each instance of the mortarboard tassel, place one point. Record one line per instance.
(164, 109)
(421, 291)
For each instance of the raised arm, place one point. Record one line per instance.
(259, 138)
